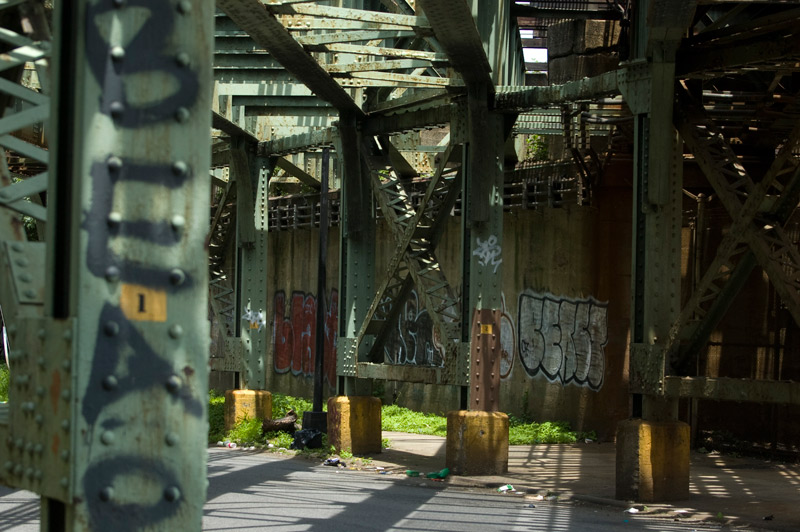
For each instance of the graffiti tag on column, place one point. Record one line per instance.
(563, 338)
(413, 340)
(294, 335)
(124, 363)
(488, 252)
(256, 320)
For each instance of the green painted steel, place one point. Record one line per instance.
(108, 406)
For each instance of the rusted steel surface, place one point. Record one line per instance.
(485, 352)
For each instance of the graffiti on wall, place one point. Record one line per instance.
(488, 252)
(563, 338)
(295, 334)
(413, 339)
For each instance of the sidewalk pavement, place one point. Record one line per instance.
(744, 491)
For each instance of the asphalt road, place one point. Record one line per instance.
(257, 491)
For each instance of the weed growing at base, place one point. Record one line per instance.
(4, 377)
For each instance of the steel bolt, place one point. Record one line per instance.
(171, 439)
(180, 168)
(173, 383)
(106, 493)
(176, 331)
(65, 395)
(110, 383)
(107, 437)
(172, 494)
(178, 222)
(111, 328)
(112, 274)
(23, 262)
(39, 419)
(29, 293)
(114, 163)
(184, 7)
(66, 364)
(177, 277)
(117, 53)
(40, 391)
(182, 59)
(38, 449)
(182, 114)
(114, 219)
(65, 425)
(116, 108)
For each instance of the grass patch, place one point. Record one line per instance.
(522, 432)
(283, 403)
(4, 380)
(399, 419)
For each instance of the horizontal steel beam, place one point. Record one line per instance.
(226, 126)
(267, 31)
(728, 389)
(521, 99)
(299, 143)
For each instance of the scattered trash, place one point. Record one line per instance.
(769, 517)
(439, 474)
(632, 511)
(311, 438)
(271, 446)
(588, 440)
(220, 444)
(335, 462)
(552, 497)
(531, 506)
(412, 473)
(681, 512)
(702, 450)
(379, 468)
(507, 488)
(540, 497)
(230, 445)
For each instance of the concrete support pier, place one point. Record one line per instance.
(240, 404)
(477, 442)
(354, 424)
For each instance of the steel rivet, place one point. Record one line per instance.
(29, 473)
(117, 53)
(65, 395)
(172, 494)
(38, 474)
(9, 465)
(106, 493)
(110, 383)
(177, 277)
(180, 168)
(171, 439)
(18, 469)
(111, 328)
(29, 293)
(64, 482)
(23, 262)
(40, 361)
(65, 455)
(19, 248)
(178, 222)
(182, 114)
(20, 443)
(107, 437)
(65, 425)
(119, 3)
(67, 335)
(173, 383)
(112, 274)
(39, 419)
(182, 59)
(114, 163)
(29, 447)
(66, 365)
(184, 7)
(38, 449)
(116, 108)
(114, 218)
(176, 331)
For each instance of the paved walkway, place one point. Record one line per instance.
(743, 490)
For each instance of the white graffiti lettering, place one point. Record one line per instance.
(257, 320)
(488, 252)
(563, 338)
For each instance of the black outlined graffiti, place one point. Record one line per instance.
(413, 340)
(145, 82)
(563, 338)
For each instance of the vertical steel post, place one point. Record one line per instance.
(357, 258)
(252, 177)
(122, 361)
(482, 243)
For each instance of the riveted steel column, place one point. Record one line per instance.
(252, 180)
(483, 249)
(357, 258)
(122, 357)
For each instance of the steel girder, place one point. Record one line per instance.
(108, 397)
